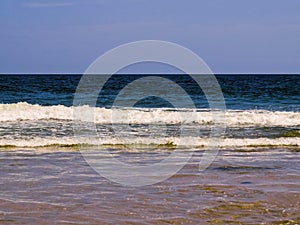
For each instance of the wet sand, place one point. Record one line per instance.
(242, 186)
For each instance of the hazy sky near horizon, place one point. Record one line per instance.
(232, 36)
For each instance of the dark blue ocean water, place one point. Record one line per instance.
(269, 92)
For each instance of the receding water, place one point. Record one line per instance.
(242, 186)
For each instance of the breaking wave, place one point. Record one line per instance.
(234, 118)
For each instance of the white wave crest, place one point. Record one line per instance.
(234, 118)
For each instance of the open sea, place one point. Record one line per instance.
(254, 179)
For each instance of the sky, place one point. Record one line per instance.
(231, 36)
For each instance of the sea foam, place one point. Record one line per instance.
(233, 118)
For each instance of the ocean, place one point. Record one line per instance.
(254, 179)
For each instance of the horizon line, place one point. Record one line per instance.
(1, 74)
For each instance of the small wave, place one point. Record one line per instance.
(151, 142)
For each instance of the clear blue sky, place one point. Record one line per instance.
(232, 36)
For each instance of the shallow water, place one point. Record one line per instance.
(242, 186)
